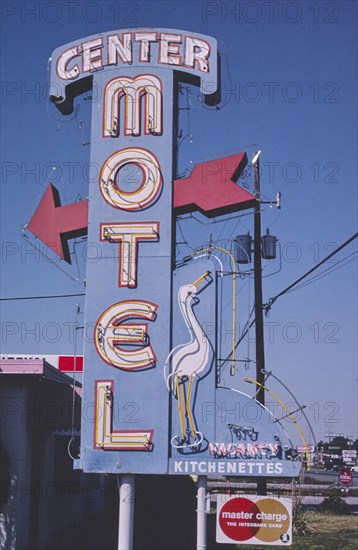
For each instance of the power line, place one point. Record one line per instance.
(41, 297)
(268, 305)
(242, 336)
(331, 269)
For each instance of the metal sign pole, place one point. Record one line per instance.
(259, 323)
(126, 487)
(201, 514)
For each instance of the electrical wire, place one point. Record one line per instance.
(53, 262)
(42, 297)
(214, 221)
(328, 271)
(267, 375)
(234, 273)
(185, 241)
(263, 407)
(223, 229)
(268, 305)
(289, 414)
(242, 336)
(271, 301)
(225, 153)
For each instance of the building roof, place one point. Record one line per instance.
(48, 389)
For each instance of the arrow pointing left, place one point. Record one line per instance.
(54, 224)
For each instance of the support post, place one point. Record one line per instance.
(201, 514)
(259, 322)
(126, 487)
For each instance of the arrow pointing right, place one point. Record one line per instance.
(211, 188)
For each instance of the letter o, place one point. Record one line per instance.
(91, 412)
(90, 171)
(57, 12)
(296, 170)
(288, 256)
(297, 12)
(294, 337)
(51, 253)
(256, 15)
(52, 171)
(57, 332)
(51, 492)
(88, 332)
(51, 89)
(96, 93)
(49, 417)
(258, 92)
(257, 409)
(87, 491)
(295, 86)
(297, 415)
(97, 12)
(149, 189)
(92, 257)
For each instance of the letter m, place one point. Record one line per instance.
(132, 90)
(218, 449)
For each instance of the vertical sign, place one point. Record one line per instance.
(125, 417)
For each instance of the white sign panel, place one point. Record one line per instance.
(254, 520)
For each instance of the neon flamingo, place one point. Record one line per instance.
(187, 362)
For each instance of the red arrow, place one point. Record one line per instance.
(211, 188)
(54, 224)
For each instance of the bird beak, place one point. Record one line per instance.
(200, 279)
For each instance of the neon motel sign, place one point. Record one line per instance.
(129, 301)
(140, 399)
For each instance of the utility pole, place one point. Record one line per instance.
(259, 322)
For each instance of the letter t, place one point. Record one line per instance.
(128, 235)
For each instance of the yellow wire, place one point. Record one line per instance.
(232, 371)
(181, 414)
(188, 408)
(290, 416)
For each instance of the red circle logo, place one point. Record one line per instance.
(235, 518)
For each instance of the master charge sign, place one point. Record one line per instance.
(254, 520)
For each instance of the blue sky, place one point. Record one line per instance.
(289, 89)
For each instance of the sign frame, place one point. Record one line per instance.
(253, 520)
